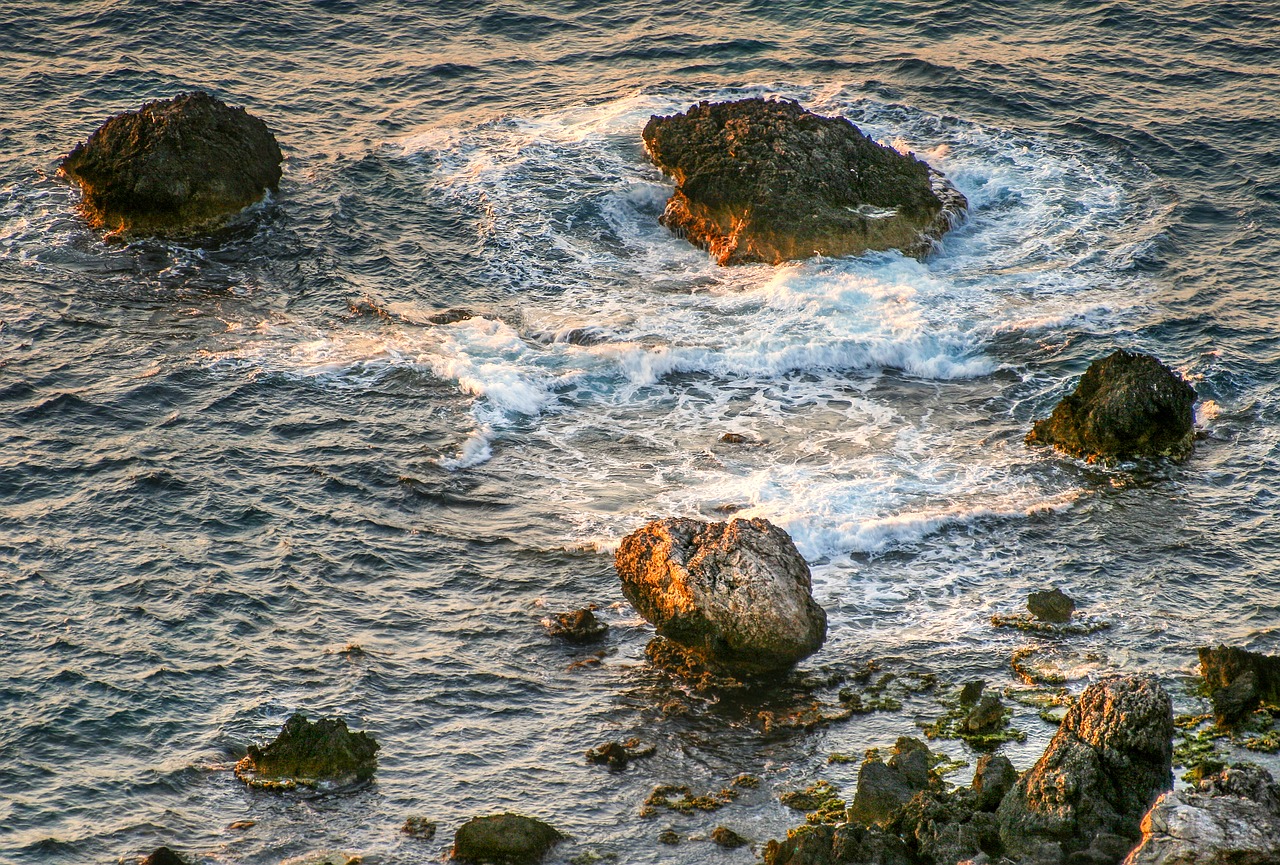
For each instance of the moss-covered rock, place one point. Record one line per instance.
(504, 839)
(324, 754)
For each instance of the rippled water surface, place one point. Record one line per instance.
(226, 493)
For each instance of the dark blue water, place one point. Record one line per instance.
(217, 478)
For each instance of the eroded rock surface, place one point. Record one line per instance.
(739, 592)
(312, 755)
(767, 181)
(1127, 405)
(1238, 681)
(175, 167)
(1086, 795)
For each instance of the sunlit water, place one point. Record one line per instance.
(217, 476)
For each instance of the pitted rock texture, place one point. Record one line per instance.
(739, 591)
(767, 181)
(174, 168)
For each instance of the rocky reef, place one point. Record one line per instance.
(1126, 406)
(767, 181)
(174, 168)
(738, 592)
(320, 755)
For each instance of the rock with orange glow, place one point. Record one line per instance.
(767, 181)
(738, 592)
(178, 167)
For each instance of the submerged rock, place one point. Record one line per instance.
(767, 181)
(419, 827)
(310, 755)
(579, 626)
(1051, 606)
(1238, 681)
(738, 592)
(1086, 795)
(1126, 406)
(1231, 818)
(176, 167)
(504, 839)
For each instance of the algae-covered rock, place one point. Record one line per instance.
(725, 837)
(324, 754)
(174, 168)
(165, 856)
(767, 181)
(578, 626)
(1238, 681)
(1127, 405)
(504, 839)
(1051, 606)
(739, 592)
(1109, 760)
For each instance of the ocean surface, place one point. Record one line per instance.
(228, 491)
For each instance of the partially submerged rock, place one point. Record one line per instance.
(1051, 606)
(1238, 681)
(1086, 795)
(618, 754)
(738, 592)
(419, 827)
(176, 167)
(767, 181)
(1231, 818)
(165, 856)
(320, 755)
(884, 787)
(504, 839)
(1126, 406)
(824, 844)
(578, 626)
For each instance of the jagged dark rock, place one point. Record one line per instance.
(419, 827)
(727, 838)
(1086, 795)
(1231, 818)
(884, 787)
(323, 754)
(1051, 606)
(578, 626)
(993, 778)
(1127, 405)
(177, 167)
(987, 716)
(824, 844)
(618, 754)
(767, 181)
(165, 856)
(504, 839)
(971, 691)
(737, 592)
(1238, 681)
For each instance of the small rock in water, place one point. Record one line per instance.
(174, 168)
(419, 827)
(883, 788)
(504, 839)
(1126, 406)
(670, 836)
(310, 755)
(243, 824)
(727, 838)
(733, 438)
(987, 716)
(165, 856)
(579, 626)
(619, 754)
(450, 316)
(1051, 606)
(971, 691)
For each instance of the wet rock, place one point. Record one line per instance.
(733, 438)
(450, 316)
(419, 827)
(579, 626)
(1231, 818)
(885, 787)
(165, 856)
(987, 716)
(670, 836)
(172, 168)
(767, 181)
(1051, 606)
(1126, 406)
(618, 754)
(727, 838)
(1238, 681)
(738, 592)
(971, 691)
(1109, 760)
(992, 779)
(505, 839)
(944, 828)
(323, 754)
(829, 845)
(812, 797)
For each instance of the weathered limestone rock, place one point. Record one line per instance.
(172, 168)
(504, 839)
(1109, 760)
(767, 181)
(323, 754)
(1126, 405)
(1238, 681)
(1232, 818)
(739, 591)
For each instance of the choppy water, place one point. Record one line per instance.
(216, 477)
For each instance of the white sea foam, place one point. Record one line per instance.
(624, 352)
